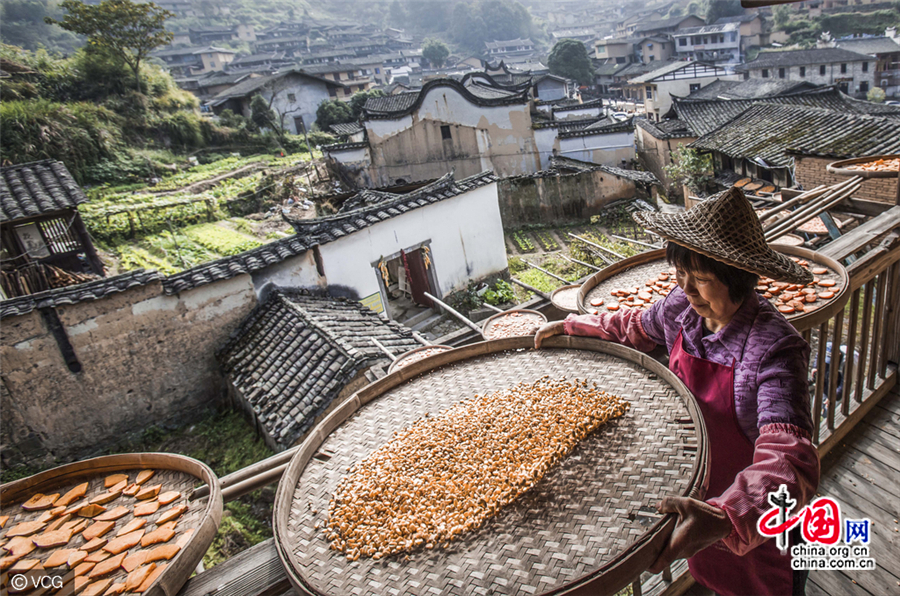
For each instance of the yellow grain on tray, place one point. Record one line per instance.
(446, 475)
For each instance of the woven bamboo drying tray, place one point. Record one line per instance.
(173, 472)
(590, 524)
(566, 298)
(539, 319)
(414, 355)
(634, 271)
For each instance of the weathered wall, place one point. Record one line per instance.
(811, 172)
(532, 199)
(147, 358)
(654, 154)
(605, 149)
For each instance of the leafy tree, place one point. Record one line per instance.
(262, 115)
(569, 58)
(690, 167)
(331, 112)
(782, 16)
(358, 101)
(472, 24)
(435, 52)
(24, 26)
(125, 28)
(716, 9)
(396, 14)
(876, 95)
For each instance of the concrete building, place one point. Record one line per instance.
(718, 43)
(852, 72)
(657, 87)
(655, 47)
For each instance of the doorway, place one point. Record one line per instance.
(404, 278)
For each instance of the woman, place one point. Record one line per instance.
(747, 366)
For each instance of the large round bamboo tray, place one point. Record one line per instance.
(590, 526)
(414, 355)
(841, 167)
(174, 472)
(635, 270)
(539, 318)
(565, 298)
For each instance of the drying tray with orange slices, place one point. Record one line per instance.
(874, 166)
(120, 524)
(641, 280)
(589, 526)
(511, 323)
(414, 355)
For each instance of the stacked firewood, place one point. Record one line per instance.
(38, 278)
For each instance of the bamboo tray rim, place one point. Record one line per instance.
(395, 364)
(182, 565)
(801, 321)
(500, 315)
(604, 581)
(561, 289)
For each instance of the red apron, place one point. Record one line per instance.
(764, 570)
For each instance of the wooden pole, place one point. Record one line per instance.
(381, 347)
(638, 242)
(589, 243)
(582, 263)
(531, 289)
(456, 314)
(542, 270)
(798, 200)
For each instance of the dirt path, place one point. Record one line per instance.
(202, 185)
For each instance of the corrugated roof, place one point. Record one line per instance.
(295, 353)
(36, 188)
(801, 58)
(770, 131)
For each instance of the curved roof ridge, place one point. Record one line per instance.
(371, 112)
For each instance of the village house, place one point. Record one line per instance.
(212, 35)
(749, 89)
(853, 73)
(668, 26)
(351, 76)
(194, 61)
(44, 241)
(615, 50)
(601, 141)
(211, 84)
(886, 51)
(657, 87)
(265, 63)
(510, 47)
(717, 43)
(654, 47)
(605, 78)
(294, 95)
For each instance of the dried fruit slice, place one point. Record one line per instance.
(84, 568)
(19, 546)
(108, 566)
(133, 525)
(97, 529)
(53, 539)
(826, 295)
(169, 496)
(94, 544)
(131, 490)
(76, 525)
(91, 510)
(113, 514)
(148, 508)
(58, 558)
(594, 302)
(819, 271)
(23, 565)
(125, 542)
(114, 479)
(3, 520)
(105, 498)
(148, 492)
(24, 529)
(157, 536)
(785, 309)
(115, 589)
(73, 510)
(118, 488)
(827, 283)
(40, 501)
(185, 538)
(166, 551)
(7, 562)
(152, 578)
(170, 525)
(76, 558)
(73, 495)
(97, 588)
(96, 557)
(134, 561)
(137, 577)
(80, 583)
(612, 307)
(143, 476)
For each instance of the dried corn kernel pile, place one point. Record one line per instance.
(445, 475)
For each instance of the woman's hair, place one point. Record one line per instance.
(740, 283)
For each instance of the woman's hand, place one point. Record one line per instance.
(699, 525)
(549, 330)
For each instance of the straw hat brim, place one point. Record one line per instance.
(725, 229)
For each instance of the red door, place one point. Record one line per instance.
(417, 276)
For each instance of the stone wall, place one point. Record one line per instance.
(551, 198)
(146, 358)
(811, 172)
(654, 154)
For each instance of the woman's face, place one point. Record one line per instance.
(707, 294)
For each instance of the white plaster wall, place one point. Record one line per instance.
(308, 95)
(295, 272)
(604, 149)
(466, 235)
(351, 156)
(662, 98)
(568, 114)
(551, 90)
(546, 141)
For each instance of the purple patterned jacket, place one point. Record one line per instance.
(771, 393)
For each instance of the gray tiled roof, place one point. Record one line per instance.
(36, 188)
(395, 106)
(661, 24)
(801, 58)
(665, 129)
(870, 45)
(327, 229)
(346, 129)
(770, 131)
(93, 290)
(295, 353)
(704, 116)
(749, 89)
(564, 164)
(668, 68)
(600, 127)
(741, 18)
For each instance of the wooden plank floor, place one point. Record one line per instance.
(863, 475)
